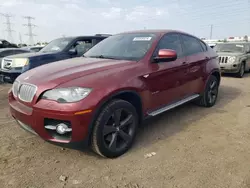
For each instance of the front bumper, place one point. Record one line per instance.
(9, 75)
(33, 120)
(229, 68)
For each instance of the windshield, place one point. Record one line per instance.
(129, 46)
(239, 47)
(56, 45)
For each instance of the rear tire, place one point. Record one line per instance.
(115, 129)
(241, 72)
(209, 97)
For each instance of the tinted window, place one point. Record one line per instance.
(171, 41)
(204, 46)
(82, 46)
(191, 45)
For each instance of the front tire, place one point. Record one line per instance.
(209, 97)
(241, 72)
(115, 129)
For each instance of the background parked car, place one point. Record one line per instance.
(7, 52)
(58, 49)
(234, 57)
(10, 51)
(6, 44)
(100, 100)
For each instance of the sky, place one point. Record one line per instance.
(57, 18)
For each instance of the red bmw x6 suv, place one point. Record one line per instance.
(100, 99)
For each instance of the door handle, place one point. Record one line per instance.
(184, 63)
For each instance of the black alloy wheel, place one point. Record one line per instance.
(118, 130)
(115, 129)
(241, 72)
(212, 91)
(209, 96)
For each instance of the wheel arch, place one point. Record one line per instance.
(129, 95)
(214, 72)
(217, 74)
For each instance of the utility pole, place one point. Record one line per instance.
(20, 38)
(211, 31)
(30, 26)
(8, 26)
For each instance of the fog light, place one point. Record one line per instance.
(62, 129)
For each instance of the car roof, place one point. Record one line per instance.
(154, 31)
(86, 36)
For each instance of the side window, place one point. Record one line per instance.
(191, 45)
(96, 41)
(204, 46)
(172, 42)
(82, 46)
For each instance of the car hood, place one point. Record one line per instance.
(30, 55)
(59, 72)
(229, 53)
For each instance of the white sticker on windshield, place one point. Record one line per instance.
(142, 38)
(241, 46)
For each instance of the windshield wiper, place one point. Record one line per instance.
(101, 57)
(226, 51)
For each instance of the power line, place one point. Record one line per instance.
(30, 27)
(8, 26)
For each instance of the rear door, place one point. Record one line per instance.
(195, 51)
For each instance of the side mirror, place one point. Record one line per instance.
(165, 55)
(72, 51)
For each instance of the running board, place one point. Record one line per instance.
(173, 105)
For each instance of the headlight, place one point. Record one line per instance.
(231, 59)
(67, 95)
(20, 62)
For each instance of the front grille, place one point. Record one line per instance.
(27, 92)
(223, 59)
(15, 88)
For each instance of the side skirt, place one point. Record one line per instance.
(173, 105)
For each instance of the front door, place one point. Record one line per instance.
(167, 82)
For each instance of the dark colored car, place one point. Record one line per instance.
(101, 98)
(9, 51)
(58, 49)
(6, 44)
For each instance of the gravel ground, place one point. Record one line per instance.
(195, 147)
